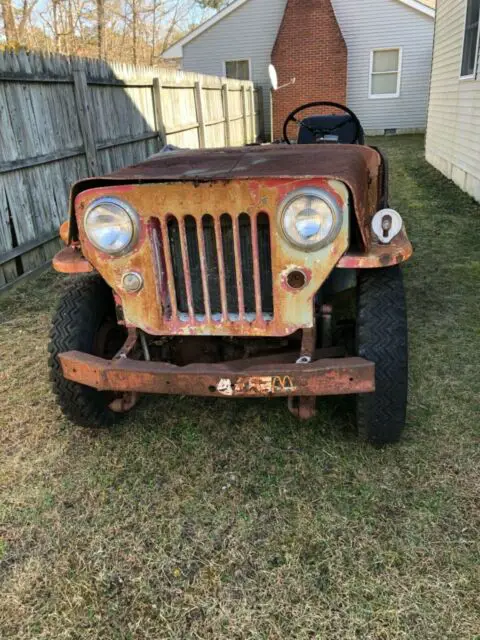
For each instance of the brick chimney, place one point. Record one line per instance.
(310, 47)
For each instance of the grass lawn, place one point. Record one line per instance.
(222, 519)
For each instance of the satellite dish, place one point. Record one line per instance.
(272, 72)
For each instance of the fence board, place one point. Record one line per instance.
(86, 121)
(159, 119)
(64, 118)
(199, 106)
(8, 272)
(226, 111)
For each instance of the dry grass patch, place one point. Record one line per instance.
(221, 519)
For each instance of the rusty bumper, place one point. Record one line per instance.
(256, 377)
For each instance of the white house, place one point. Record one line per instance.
(453, 134)
(375, 54)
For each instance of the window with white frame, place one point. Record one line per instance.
(471, 40)
(237, 69)
(385, 73)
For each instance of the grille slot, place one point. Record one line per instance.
(228, 243)
(265, 261)
(218, 268)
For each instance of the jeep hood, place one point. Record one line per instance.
(361, 168)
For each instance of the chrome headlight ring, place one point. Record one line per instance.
(310, 218)
(111, 225)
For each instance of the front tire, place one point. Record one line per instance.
(382, 337)
(85, 321)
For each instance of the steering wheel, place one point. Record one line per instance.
(322, 131)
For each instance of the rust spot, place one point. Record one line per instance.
(379, 255)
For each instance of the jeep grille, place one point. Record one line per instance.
(218, 268)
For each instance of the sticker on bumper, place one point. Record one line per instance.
(265, 385)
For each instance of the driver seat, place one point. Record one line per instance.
(342, 126)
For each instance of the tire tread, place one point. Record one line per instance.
(382, 336)
(73, 329)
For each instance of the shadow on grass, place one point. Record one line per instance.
(219, 422)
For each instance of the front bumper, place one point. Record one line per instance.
(266, 376)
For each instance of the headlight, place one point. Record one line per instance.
(310, 218)
(111, 225)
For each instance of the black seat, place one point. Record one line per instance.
(340, 126)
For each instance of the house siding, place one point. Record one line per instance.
(377, 24)
(248, 32)
(453, 134)
(251, 30)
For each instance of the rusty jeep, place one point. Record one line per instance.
(264, 271)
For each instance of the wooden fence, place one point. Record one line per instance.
(62, 119)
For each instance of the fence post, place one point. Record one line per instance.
(226, 113)
(261, 112)
(200, 115)
(245, 116)
(83, 112)
(157, 104)
(253, 123)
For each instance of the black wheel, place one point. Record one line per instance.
(381, 336)
(85, 321)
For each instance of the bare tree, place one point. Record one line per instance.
(212, 4)
(154, 32)
(135, 31)
(9, 22)
(101, 28)
(16, 20)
